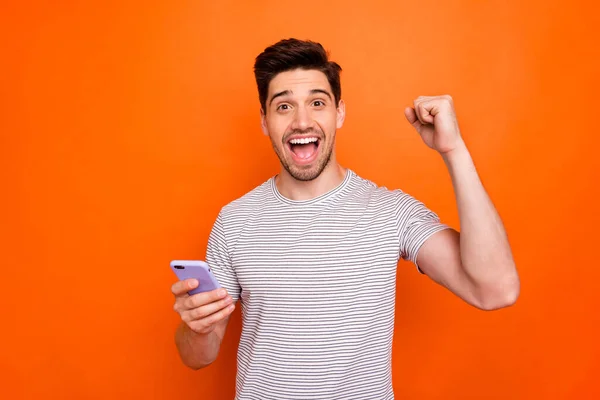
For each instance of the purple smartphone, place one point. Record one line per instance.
(187, 269)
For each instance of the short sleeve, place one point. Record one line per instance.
(416, 224)
(219, 260)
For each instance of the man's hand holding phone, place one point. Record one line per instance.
(201, 312)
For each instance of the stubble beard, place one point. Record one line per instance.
(309, 173)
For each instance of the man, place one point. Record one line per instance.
(312, 252)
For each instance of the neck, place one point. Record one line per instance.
(331, 177)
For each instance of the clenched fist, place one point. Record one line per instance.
(435, 120)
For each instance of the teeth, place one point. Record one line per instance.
(303, 140)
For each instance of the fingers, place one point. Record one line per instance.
(182, 287)
(208, 323)
(201, 304)
(423, 110)
(202, 299)
(206, 311)
(201, 311)
(427, 107)
(184, 302)
(411, 117)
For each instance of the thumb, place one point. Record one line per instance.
(411, 116)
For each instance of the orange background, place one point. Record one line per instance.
(126, 126)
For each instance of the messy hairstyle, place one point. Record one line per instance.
(290, 54)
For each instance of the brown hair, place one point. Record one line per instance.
(290, 54)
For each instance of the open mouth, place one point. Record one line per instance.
(305, 149)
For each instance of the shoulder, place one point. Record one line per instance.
(375, 192)
(384, 200)
(249, 203)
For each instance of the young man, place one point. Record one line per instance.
(312, 252)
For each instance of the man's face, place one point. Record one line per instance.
(301, 119)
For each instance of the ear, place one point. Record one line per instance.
(263, 122)
(341, 114)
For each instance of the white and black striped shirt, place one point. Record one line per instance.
(317, 281)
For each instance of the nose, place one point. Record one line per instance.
(302, 119)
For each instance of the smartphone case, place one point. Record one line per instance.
(187, 269)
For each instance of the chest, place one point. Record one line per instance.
(303, 256)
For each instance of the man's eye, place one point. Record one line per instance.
(318, 103)
(283, 107)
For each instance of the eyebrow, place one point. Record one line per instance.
(325, 92)
(288, 92)
(282, 93)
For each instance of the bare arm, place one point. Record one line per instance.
(199, 350)
(204, 321)
(477, 264)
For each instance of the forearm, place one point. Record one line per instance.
(484, 248)
(196, 351)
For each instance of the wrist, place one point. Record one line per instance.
(457, 155)
(191, 335)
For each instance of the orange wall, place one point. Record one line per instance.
(125, 127)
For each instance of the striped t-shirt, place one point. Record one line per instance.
(317, 280)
